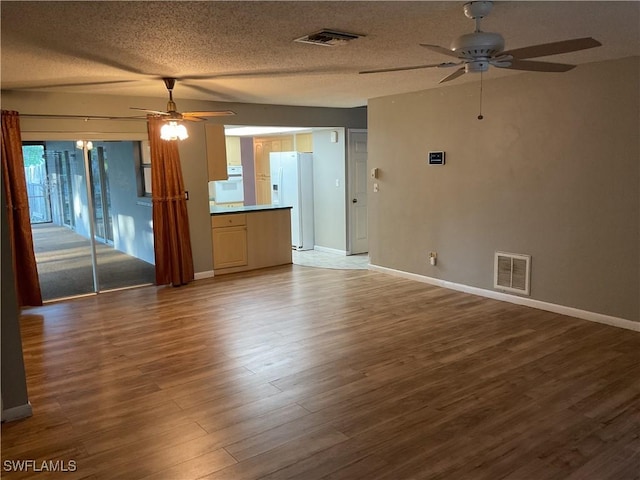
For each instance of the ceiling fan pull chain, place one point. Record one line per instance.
(480, 117)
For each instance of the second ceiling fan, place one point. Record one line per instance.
(476, 51)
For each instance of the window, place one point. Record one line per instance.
(37, 182)
(144, 185)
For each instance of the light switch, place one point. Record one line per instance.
(376, 188)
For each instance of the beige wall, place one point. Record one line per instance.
(552, 171)
(192, 150)
(329, 190)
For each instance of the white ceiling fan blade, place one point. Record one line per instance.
(453, 76)
(439, 49)
(533, 66)
(554, 48)
(502, 61)
(415, 67)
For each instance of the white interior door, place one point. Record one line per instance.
(357, 161)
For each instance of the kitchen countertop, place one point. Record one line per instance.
(217, 210)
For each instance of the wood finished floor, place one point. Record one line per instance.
(305, 373)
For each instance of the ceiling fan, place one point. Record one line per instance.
(476, 51)
(172, 114)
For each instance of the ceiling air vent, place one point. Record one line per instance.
(328, 38)
(512, 272)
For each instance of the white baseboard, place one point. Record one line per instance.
(202, 275)
(17, 413)
(505, 297)
(330, 250)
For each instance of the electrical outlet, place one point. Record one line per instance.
(433, 258)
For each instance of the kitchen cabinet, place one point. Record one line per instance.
(229, 241)
(234, 156)
(304, 142)
(262, 147)
(216, 152)
(263, 174)
(262, 235)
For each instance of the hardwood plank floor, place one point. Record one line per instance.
(306, 373)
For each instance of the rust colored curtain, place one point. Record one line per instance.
(15, 188)
(172, 242)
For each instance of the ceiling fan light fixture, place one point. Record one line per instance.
(476, 66)
(173, 130)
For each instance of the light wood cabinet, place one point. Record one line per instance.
(229, 241)
(234, 156)
(216, 152)
(286, 144)
(257, 239)
(263, 172)
(304, 142)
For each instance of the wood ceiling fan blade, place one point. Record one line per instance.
(453, 76)
(85, 118)
(439, 49)
(215, 113)
(534, 66)
(415, 67)
(554, 48)
(156, 112)
(194, 119)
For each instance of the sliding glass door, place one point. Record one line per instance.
(101, 195)
(98, 235)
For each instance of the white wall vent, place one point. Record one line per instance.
(512, 272)
(328, 38)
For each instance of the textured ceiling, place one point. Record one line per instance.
(243, 51)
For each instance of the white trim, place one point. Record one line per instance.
(17, 413)
(329, 250)
(202, 275)
(528, 302)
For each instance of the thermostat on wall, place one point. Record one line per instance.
(436, 158)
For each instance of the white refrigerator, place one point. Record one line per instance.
(292, 185)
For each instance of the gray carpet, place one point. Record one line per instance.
(64, 264)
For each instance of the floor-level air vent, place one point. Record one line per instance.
(512, 272)
(328, 38)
